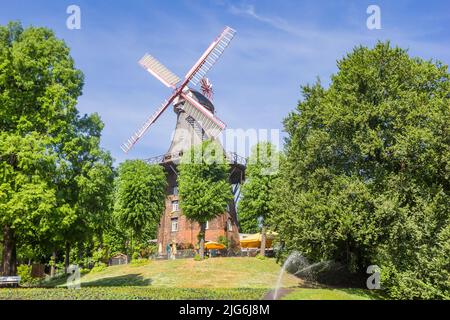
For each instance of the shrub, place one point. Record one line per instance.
(133, 293)
(135, 256)
(139, 262)
(197, 257)
(260, 257)
(223, 240)
(24, 272)
(99, 267)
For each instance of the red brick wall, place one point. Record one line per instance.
(188, 231)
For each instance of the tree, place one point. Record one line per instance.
(256, 204)
(203, 185)
(39, 89)
(366, 179)
(26, 200)
(140, 194)
(86, 180)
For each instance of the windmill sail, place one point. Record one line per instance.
(211, 55)
(159, 71)
(126, 147)
(212, 125)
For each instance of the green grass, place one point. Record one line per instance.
(217, 278)
(331, 294)
(187, 273)
(130, 293)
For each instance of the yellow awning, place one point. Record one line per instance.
(254, 240)
(214, 245)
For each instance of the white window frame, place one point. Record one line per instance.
(207, 225)
(229, 225)
(174, 222)
(175, 206)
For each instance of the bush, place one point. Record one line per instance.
(260, 257)
(223, 240)
(133, 293)
(99, 267)
(140, 262)
(24, 272)
(135, 256)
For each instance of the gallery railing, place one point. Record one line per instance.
(232, 157)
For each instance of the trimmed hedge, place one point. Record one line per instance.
(131, 293)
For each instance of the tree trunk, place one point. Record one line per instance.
(131, 247)
(202, 240)
(53, 267)
(67, 257)
(9, 252)
(263, 242)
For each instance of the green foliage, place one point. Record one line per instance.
(139, 262)
(24, 272)
(139, 195)
(197, 257)
(261, 257)
(203, 185)
(257, 201)
(366, 176)
(99, 267)
(223, 240)
(56, 181)
(132, 293)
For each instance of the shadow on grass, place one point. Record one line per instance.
(129, 280)
(369, 294)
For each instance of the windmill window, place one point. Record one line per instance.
(229, 225)
(175, 191)
(174, 224)
(175, 206)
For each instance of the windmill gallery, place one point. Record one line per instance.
(196, 122)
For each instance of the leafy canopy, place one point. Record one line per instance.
(366, 179)
(203, 184)
(139, 195)
(257, 200)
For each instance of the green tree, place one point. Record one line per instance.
(366, 179)
(86, 183)
(140, 194)
(26, 200)
(203, 185)
(257, 203)
(39, 88)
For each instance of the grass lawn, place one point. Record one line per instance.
(187, 273)
(217, 278)
(331, 294)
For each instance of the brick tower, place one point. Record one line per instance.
(174, 227)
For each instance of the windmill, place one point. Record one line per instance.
(196, 121)
(194, 111)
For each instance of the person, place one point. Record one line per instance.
(168, 250)
(174, 250)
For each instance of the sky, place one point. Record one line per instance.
(279, 47)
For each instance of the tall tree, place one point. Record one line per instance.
(139, 196)
(203, 185)
(366, 179)
(39, 87)
(27, 201)
(257, 203)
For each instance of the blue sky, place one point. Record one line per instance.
(280, 45)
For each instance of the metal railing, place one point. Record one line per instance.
(232, 157)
